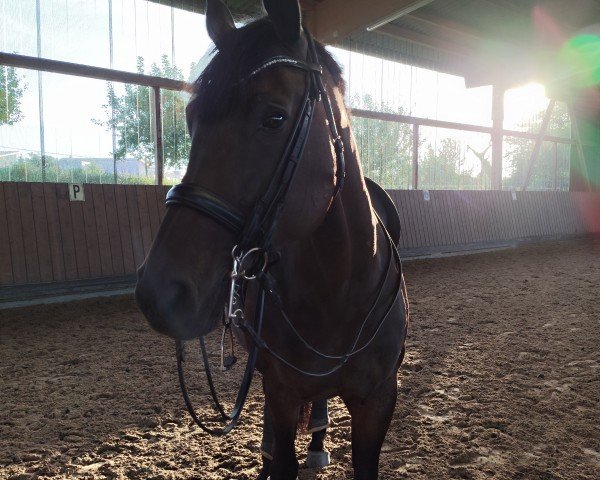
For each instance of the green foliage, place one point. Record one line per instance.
(385, 147)
(386, 155)
(29, 169)
(126, 179)
(440, 169)
(11, 92)
(518, 153)
(131, 116)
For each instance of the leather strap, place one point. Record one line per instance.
(258, 228)
(338, 144)
(285, 61)
(233, 417)
(198, 198)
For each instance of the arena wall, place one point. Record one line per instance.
(47, 238)
(445, 221)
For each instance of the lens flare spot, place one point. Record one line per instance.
(581, 57)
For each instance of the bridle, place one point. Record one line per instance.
(257, 230)
(252, 253)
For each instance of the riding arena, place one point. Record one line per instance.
(299, 239)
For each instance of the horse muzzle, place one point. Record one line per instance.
(175, 308)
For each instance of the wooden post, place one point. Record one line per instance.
(40, 90)
(415, 157)
(538, 143)
(497, 136)
(158, 137)
(583, 172)
(555, 177)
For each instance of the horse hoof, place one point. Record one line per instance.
(317, 459)
(266, 468)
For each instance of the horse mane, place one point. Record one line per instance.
(219, 86)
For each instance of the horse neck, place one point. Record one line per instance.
(341, 256)
(353, 209)
(351, 221)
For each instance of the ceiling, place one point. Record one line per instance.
(503, 42)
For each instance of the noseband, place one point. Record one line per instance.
(257, 230)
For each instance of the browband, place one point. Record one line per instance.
(288, 62)
(256, 230)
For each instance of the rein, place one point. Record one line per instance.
(256, 232)
(251, 254)
(233, 417)
(267, 284)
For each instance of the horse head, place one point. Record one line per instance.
(248, 109)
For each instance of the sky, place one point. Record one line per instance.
(78, 31)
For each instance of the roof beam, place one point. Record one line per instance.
(399, 13)
(448, 26)
(436, 43)
(507, 4)
(478, 67)
(332, 20)
(465, 37)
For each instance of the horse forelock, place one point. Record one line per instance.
(219, 87)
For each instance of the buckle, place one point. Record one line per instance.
(338, 144)
(248, 267)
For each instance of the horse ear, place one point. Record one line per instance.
(286, 18)
(218, 20)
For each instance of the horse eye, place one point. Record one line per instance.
(273, 121)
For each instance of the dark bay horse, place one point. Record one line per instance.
(274, 183)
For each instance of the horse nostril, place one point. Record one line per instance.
(163, 296)
(144, 292)
(178, 296)
(169, 305)
(175, 292)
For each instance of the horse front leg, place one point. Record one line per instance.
(317, 456)
(266, 445)
(371, 419)
(283, 412)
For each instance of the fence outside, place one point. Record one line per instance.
(392, 146)
(414, 166)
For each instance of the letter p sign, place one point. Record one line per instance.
(76, 192)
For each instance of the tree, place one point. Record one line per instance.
(485, 174)
(518, 153)
(131, 115)
(441, 168)
(10, 96)
(385, 147)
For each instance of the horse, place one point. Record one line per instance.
(274, 219)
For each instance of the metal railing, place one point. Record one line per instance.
(418, 122)
(156, 83)
(110, 75)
